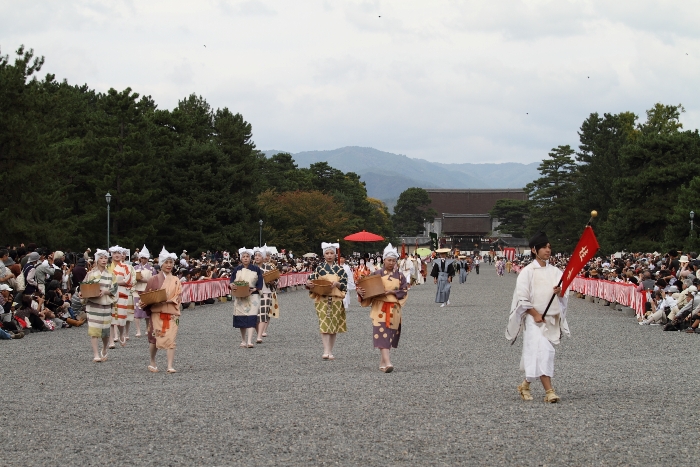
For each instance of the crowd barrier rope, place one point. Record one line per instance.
(623, 293)
(198, 291)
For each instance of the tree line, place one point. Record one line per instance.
(188, 178)
(643, 178)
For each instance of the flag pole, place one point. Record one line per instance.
(594, 214)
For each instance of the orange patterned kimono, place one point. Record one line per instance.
(165, 316)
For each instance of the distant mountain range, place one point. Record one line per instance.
(387, 175)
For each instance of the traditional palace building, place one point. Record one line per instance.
(463, 219)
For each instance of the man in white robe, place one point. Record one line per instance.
(405, 266)
(534, 288)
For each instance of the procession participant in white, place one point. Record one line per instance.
(534, 288)
(351, 282)
(443, 272)
(405, 267)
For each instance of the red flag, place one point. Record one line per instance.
(403, 250)
(585, 250)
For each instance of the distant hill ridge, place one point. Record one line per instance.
(387, 175)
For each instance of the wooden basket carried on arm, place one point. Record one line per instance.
(373, 286)
(271, 276)
(242, 289)
(152, 297)
(322, 287)
(90, 289)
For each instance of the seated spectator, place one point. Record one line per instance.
(661, 306)
(32, 311)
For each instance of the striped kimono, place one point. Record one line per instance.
(124, 309)
(99, 309)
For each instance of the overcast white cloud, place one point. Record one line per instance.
(451, 81)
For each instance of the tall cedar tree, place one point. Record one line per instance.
(654, 169)
(552, 198)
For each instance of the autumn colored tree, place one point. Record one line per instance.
(301, 220)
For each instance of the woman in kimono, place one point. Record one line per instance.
(99, 309)
(259, 255)
(500, 267)
(165, 316)
(386, 309)
(443, 272)
(271, 266)
(361, 270)
(123, 312)
(147, 272)
(463, 269)
(329, 308)
(246, 309)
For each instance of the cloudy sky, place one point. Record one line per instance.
(449, 81)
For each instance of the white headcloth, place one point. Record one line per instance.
(390, 252)
(99, 253)
(260, 250)
(164, 256)
(116, 249)
(329, 246)
(245, 250)
(144, 253)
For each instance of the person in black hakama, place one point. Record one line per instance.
(443, 272)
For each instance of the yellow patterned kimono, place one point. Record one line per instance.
(329, 308)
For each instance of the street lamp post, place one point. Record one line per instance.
(108, 197)
(261, 223)
(692, 216)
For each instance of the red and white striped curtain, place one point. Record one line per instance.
(198, 291)
(292, 279)
(622, 293)
(509, 253)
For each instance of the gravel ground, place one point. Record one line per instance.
(627, 392)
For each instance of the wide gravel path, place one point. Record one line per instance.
(628, 392)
